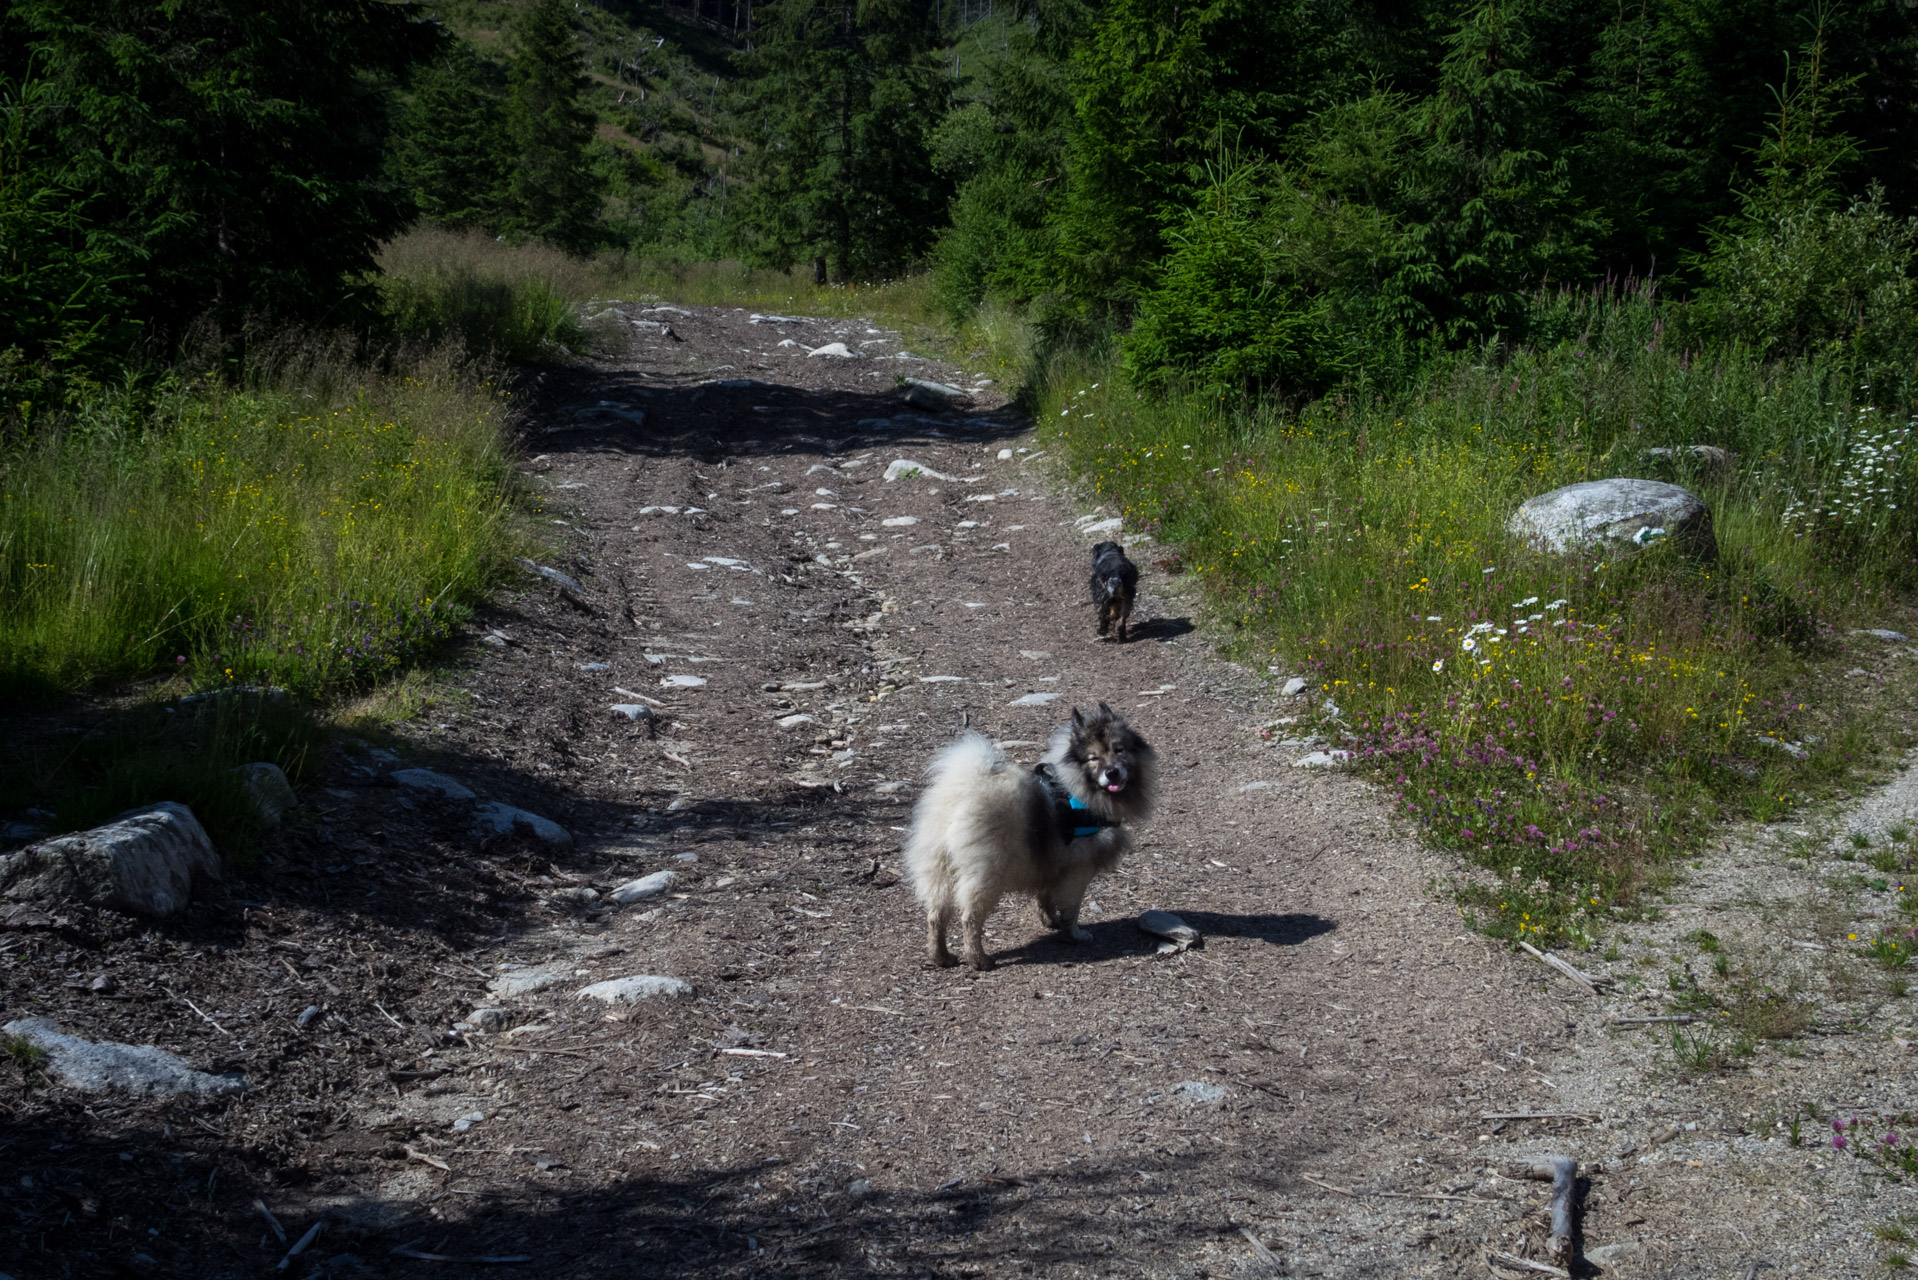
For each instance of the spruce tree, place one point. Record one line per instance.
(237, 150)
(451, 151)
(844, 97)
(554, 191)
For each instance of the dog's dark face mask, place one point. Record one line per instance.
(1106, 750)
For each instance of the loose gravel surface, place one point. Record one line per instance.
(652, 999)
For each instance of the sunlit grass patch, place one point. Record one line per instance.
(312, 533)
(1566, 722)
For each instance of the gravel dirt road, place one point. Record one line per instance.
(798, 585)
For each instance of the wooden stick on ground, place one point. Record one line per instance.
(1571, 971)
(1512, 1262)
(1562, 1173)
(1259, 1251)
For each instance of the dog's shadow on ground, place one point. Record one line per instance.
(1114, 938)
(1160, 629)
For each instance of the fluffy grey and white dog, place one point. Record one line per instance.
(985, 827)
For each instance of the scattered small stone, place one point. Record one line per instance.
(794, 721)
(1321, 759)
(1033, 700)
(1164, 924)
(1882, 633)
(471, 1118)
(648, 886)
(503, 819)
(575, 895)
(632, 710)
(683, 682)
(433, 783)
(522, 982)
(636, 988)
(491, 1021)
(1098, 527)
(308, 1016)
(1253, 786)
(899, 522)
(859, 1188)
(595, 666)
(1293, 687)
(1036, 655)
(103, 985)
(942, 679)
(553, 575)
(836, 351)
(100, 1066)
(271, 793)
(1198, 1093)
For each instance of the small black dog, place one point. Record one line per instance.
(1115, 584)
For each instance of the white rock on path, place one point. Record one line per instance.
(794, 721)
(1321, 759)
(102, 1066)
(683, 682)
(1033, 700)
(1164, 924)
(1293, 687)
(635, 989)
(145, 862)
(1882, 633)
(1198, 1093)
(631, 710)
(522, 982)
(1104, 526)
(898, 522)
(836, 351)
(432, 783)
(501, 819)
(643, 888)
(553, 576)
(1618, 516)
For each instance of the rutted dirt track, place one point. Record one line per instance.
(805, 632)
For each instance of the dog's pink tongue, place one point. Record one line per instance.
(1112, 786)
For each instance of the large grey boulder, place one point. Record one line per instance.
(1615, 516)
(143, 862)
(103, 1066)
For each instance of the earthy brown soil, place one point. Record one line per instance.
(825, 1104)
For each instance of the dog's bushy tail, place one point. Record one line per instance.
(966, 780)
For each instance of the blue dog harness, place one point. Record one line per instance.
(1065, 806)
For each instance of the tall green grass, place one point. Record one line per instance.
(313, 527)
(1566, 722)
(527, 301)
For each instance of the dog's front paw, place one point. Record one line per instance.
(943, 959)
(982, 963)
(1078, 935)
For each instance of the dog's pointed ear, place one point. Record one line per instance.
(1078, 718)
(1108, 712)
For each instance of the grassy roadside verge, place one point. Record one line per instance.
(314, 526)
(1566, 724)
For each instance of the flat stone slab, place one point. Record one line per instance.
(1198, 1093)
(432, 783)
(1032, 700)
(104, 1066)
(144, 862)
(503, 819)
(636, 988)
(1882, 633)
(645, 887)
